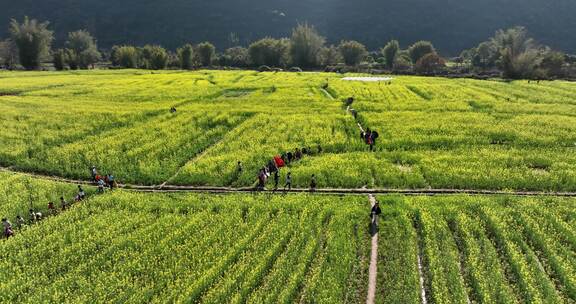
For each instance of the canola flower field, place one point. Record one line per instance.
(434, 132)
(141, 248)
(131, 247)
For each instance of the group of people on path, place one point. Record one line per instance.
(35, 216)
(280, 161)
(106, 181)
(369, 137)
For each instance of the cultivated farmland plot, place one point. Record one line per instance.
(130, 247)
(206, 248)
(436, 133)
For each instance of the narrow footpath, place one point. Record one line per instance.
(373, 269)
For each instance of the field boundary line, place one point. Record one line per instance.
(373, 269)
(334, 191)
(327, 94)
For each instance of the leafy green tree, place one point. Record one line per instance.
(84, 49)
(329, 56)
(186, 57)
(60, 59)
(420, 49)
(305, 45)
(235, 56)
(153, 57)
(269, 51)
(72, 59)
(8, 53)
(352, 52)
(552, 64)
(206, 53)
(125, 56)
(390, 51)
(430, 63)
(33, 40)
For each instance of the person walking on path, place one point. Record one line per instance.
(8, 232)
(374, 213)
(313, 183)
(81, 193)
(101, 186)
(94, 173)
(373, 136)
(20, 222)
(288, 182)
(276, 179)
(51, 208)
(110, 178)
(262, 179)
(63, 203)
(34, 216)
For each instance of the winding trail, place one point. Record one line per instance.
(332, 191)
(373, 269)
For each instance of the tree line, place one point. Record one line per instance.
(511, 52)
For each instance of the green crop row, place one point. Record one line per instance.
(434, 132)
(138, 248)
(477, 249)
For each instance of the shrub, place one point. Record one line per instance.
(305, 45)
(125, 56)
(352, 52)
(33, 40)
(186, 57)
(59, 58)
(269, 51)
(430, 63)
(84, 51)
(389, 52)
(235, 56)
(206, 53)
(153, 57)
(420, 49)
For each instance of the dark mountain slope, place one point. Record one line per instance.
(451, 24)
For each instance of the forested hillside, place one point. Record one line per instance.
(453, 25)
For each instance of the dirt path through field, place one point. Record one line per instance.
(373, 269)
(333, 191)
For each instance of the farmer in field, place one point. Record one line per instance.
(239, 167)
(173, 110)
(288, 181)
(313, 183)
(8, 232)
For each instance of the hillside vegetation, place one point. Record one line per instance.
(452, 25)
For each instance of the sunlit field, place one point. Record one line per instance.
(434, 132)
